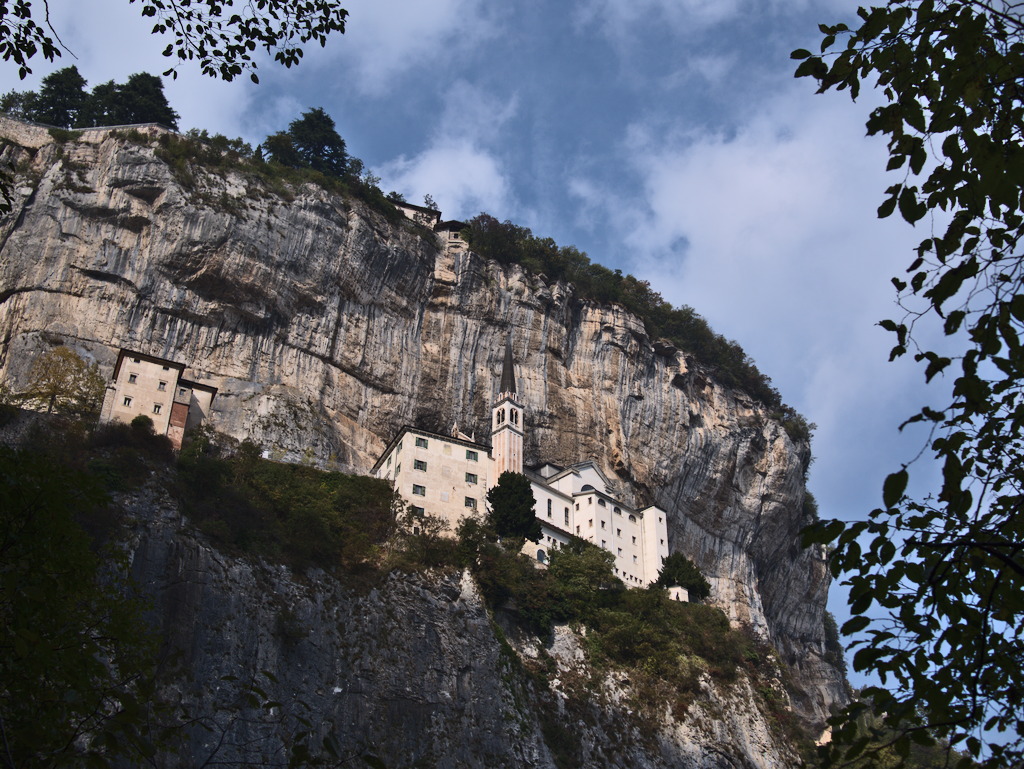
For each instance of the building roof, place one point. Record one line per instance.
(126, 353)
(452, 225)
(197, 385)
(427, 434)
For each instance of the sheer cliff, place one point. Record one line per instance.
(326, 326)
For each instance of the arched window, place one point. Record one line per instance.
(542, 557)
(501, 416)
(632, 519)
(514, 415)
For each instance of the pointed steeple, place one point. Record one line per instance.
(508, 374)
(507, 422)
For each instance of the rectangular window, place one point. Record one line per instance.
(549, 508)
(398, 469)
(421, 443)
(127, 400)
(604, 544)
(133, 378)
(471, 455)
(471, 478)
(602, 524)
(634, 559)
(567, 516)
(471, 503)
(182, 392)
(389, 460)
(167, 368)
(419, 491)
(634, 540)
(591, 523)
(618, 551)
(419, 464)
(618, 532)
(156, 408)
(419, 512)
(162, 386)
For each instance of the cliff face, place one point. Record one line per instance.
(326, 328)
(412, 672)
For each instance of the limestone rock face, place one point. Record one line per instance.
(326, 326)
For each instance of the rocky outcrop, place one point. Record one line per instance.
(326, 326)
(410, 671)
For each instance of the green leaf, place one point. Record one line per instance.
(894, 486)
(888, 206)
(855, 625)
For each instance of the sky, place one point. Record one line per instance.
(666, 138)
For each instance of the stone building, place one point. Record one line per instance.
(448, 476)
(146, 385)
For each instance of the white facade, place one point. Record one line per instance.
(153, 387)
(449, 477)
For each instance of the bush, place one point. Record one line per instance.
(293, 513)
(640, 630)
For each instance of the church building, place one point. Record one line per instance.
(448, 476)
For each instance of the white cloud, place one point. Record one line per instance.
(386, 38)
(462, 178)
(616, 18)
(770, 232)
(459, 167)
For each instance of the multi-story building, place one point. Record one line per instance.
(154, 387)
(448, 476)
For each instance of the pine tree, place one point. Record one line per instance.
(318, 144)
(510, 512)
(61, 99)
(144, 101)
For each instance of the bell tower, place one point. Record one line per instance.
(507, 423)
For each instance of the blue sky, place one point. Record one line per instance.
(666, 138)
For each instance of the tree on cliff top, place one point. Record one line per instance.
(311, 141)
(510, 508)
(946, 571)
(61, 99)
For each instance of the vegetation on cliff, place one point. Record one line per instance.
(63, 102)
(303, 517)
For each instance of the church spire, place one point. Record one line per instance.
(508, 374)
(507, 422)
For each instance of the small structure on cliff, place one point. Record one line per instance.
(449, 233)
(448, 476)
(146, 385)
